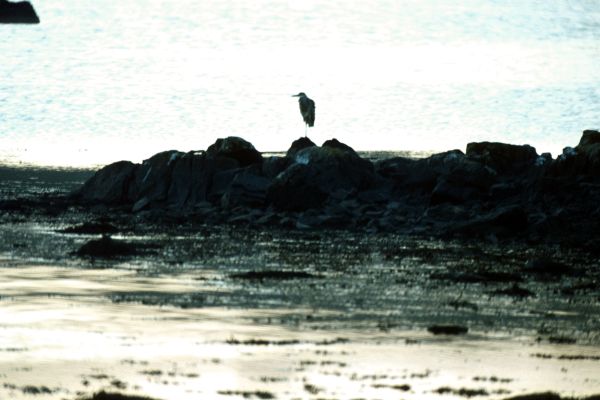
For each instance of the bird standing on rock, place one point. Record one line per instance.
(307, 109)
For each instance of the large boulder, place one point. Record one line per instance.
(333, 170)
(21, 12)
(110, 184)
(236, 148)
(298, 145)
(502, 157)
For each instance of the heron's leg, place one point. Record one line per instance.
(305, 129)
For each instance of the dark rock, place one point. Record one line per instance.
(21, 12)
(295, 190)
(246, 188)
(503, 190)
(503, 158)
(508, 221)
(589, 138)
(448, 329)
(221, 182)
(236, 148)
(273, 166)
(336, 144)
(153, 179)
(114, 396)
(547, 267)
(298, 145)
(583, 160)
(91, 228)
(106, 247)
(445, 191)
(110, 184)
(337, 166)
(190, 180)
(457, 178)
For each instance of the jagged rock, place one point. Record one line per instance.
(110, 184)
(247, 188)
(273, 166)
(294, 190)
(21, 12)
(153, 179)
(447, 191)
(495, 191)
(507, 221)
(298, 145)
(190, 180)
(582, 161)
(236, 148)
(318, 173)
(503, 158)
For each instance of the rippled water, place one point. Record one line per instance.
(99, 81)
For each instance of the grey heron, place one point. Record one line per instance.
(307, 109)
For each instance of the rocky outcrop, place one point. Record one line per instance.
(495, 191)
(584, 159)
(21, 12)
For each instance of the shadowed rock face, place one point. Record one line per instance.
(495, 190)
(17, 13)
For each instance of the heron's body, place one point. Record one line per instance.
(307, 109)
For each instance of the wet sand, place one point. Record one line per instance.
(204, 314)
(62, 334)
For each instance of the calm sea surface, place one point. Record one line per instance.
(98, 81)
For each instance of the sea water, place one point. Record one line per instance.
(98, 81)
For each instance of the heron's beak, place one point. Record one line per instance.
(295, 95)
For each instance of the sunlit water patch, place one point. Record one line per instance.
(97, 82)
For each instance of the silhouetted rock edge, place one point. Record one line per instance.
(495, 191)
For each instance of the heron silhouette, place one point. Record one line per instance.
(307, 109)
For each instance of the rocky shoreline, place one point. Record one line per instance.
(493, 191)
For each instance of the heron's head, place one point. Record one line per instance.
(301, 94)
